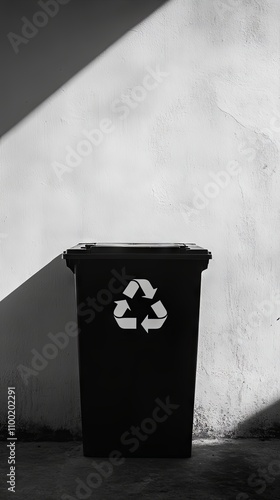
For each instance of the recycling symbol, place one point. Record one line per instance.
(122, 306)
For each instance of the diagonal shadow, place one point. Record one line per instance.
(263, 424)
(70, 39)
(44, 303)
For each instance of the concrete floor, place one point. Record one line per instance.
(218, 470)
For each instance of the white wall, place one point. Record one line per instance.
(218, 104)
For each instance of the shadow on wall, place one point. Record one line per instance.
(47, 399)
(264, 424)
(46, 42)
(47, 402)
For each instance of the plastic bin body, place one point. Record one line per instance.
(137, 377)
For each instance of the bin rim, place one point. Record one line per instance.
(136, 250)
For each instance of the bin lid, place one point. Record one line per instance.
(137, 250)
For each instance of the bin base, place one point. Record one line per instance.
(153, 453)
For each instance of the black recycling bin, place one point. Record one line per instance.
(138, 313)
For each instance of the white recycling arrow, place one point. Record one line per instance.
(155, 323)
(159, 309)
(127, 323)
(121, 308)
(146, 286)
(147, 289)
(131, 289)
(152, 323)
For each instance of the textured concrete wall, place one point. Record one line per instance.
(190, 153)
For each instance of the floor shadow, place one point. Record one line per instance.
(224, 470)
(68, 36)
(263, 424)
